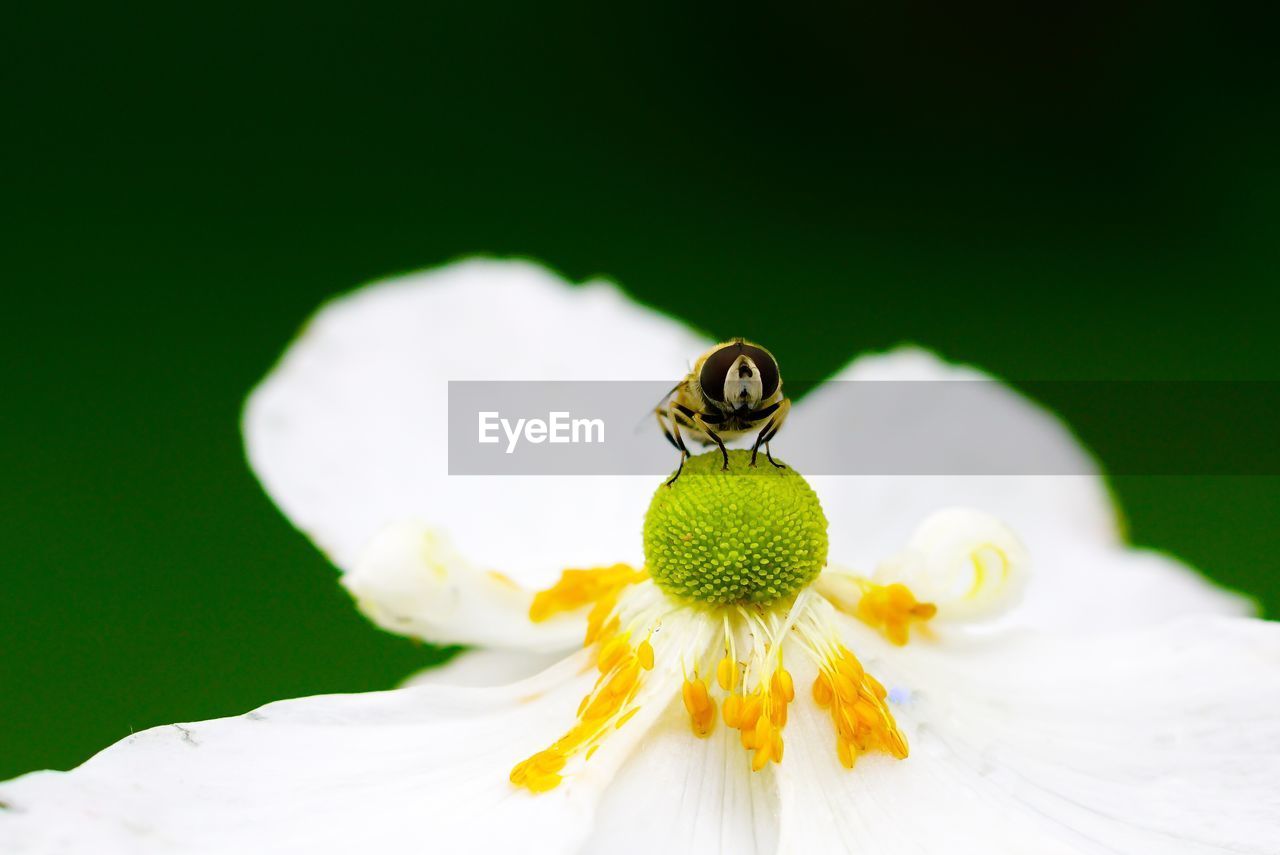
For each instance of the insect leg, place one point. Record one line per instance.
(769, 455)
(756, 415)
(770, 431)
(702, 422)
(676, 439)
(666, 431)
(715, 437)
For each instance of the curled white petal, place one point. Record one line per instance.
(411, 580)
(966, 562)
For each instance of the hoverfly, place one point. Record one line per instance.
(733, 389)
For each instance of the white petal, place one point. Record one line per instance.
(1067, 522)
(421, 769)
(347, 433)
(679, 794)
(874, 514)
(890, 807)
(1157, 740)
(411, 580)
(484, 668)
(1084, 587)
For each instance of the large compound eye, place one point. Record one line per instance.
(768, 369)
(716, 367)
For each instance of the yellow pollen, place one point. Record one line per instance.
(700, 706)
(856, 701)
(727, 674)
(611, 652)
(578, 588)
(732, 709)
(760, 715)
(644, 653)
(541, 772)
(609, 705)
(891, 609)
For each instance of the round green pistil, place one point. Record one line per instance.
(739, 536)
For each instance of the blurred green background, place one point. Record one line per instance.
(1074, 191)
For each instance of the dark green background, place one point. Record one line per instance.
(1084, 191)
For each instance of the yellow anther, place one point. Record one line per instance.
(696, 698)
(822, 694)
(644, 653)
(540, 772)
(578, 588)
(846, 721)
(777, 748)
(625, 679)
(866, 713)
(603, 705)
(760, 716)
(892, 609)
(611, 652)
(698, 703)
(862, 719)
(763, 730)
(850, 667)
(600, 626)
(732, 710)
(541, 783)
(620, 670)
(778, 711)
(783, 685)
(727, 674)
(845, 752)
(896, 743)
(764, 752)
(687, 695)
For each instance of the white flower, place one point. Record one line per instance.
(1122, 705)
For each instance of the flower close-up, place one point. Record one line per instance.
(749, 658)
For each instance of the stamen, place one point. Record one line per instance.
(727, 674)
(857, 703)
(541, 772)
(760, 715)
(644, 653)
(608, 705)
(700, 706)
(891, 609)
(578, 588)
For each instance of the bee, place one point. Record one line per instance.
(733, 389)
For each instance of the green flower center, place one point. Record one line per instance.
(739, 536)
